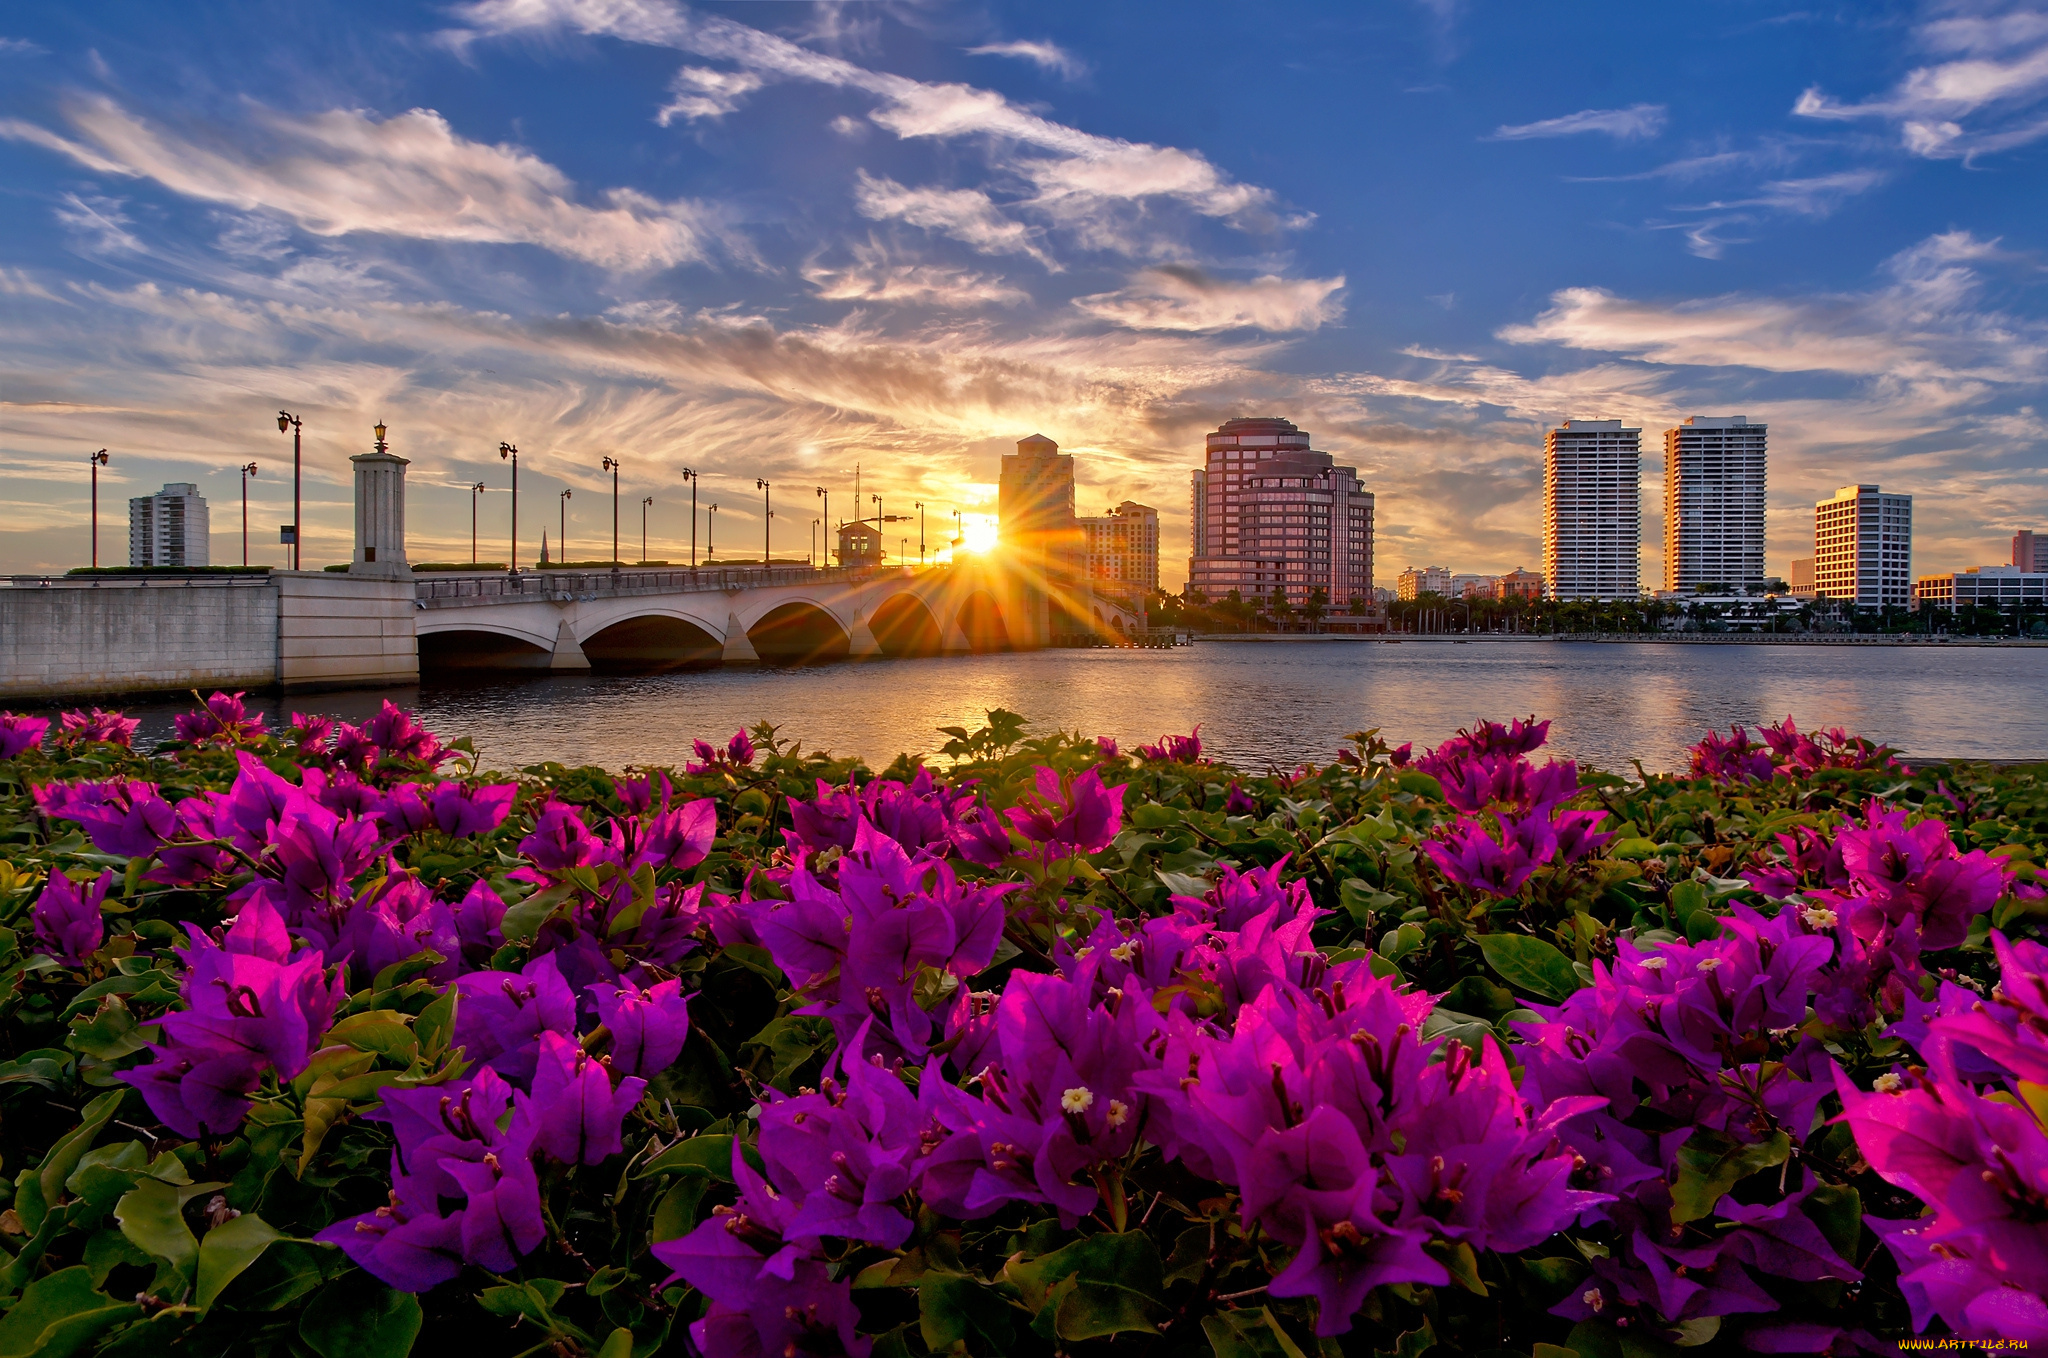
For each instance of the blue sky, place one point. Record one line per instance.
(778, 240)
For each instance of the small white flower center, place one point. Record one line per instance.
(1709, 963)
(1124, 952)
(1079, 1099)
(1888, 1083)
(1653, 964)
(1117, 1113)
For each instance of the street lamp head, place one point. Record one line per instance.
(759, 484)
(379, 427)
(478, 487)
(648, 501)
(505, 450)
(250, 469)
(611, 464)
(687, 474)
(284, 421)
(568, 494)
(99, 457)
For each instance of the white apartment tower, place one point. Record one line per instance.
(1593, 510)
(1714, 504)
(168, 528)
(1863, 548)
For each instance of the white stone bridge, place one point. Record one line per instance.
(653, 618)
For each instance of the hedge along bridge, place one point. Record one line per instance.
(377, 623)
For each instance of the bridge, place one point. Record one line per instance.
(653, 618)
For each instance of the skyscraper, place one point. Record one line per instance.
(1714, 503)
(1593, 510)
(1035, 495)
(1273, 513)
(1123, 550)
(1863, 548)
(168, 528)
(2030, 551)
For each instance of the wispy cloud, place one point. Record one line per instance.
(1180, 297)
(1638, 122)
(1047, 56)
(1983, 100)
(967, 215)
(342, 172)
(21, 47)
(876, 276)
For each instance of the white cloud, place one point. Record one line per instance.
(344, 171)
(967, 215)
(1047, 56)
(1177, 297)
(21, 47)
(100, 221)
(1638, 122)
(1974, 104)
(876, 276)
(703, 93)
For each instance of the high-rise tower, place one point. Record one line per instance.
(168, 528)
(1271, 512)
(1863, 548)
(1593, 510)
(1714, 503)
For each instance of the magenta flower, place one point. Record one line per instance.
(680, 838)
(312, 732)
(1072, 815)
(738, 753)
(501, 1015)
(1237, 802)
(477, 917)
(123, 816)
(979, 833)
(640, 795)
(846, 1153)
(464, 810)
(1576, 836)
(1106, 747)
(394, 731)
(559, 841)
(577, 1111)
(221, 719)
(401, 921)
(1731, 758)
(648, 1027)
(1474, 859)
(19, 734)
(80, 728)
(406, 1243)
(67, 920)
(1185, 749)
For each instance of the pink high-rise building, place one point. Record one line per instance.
(1269, 511)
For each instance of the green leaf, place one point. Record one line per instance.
(1413, 1344)
(1710, 1163)
(436, 1024)
(60, 1315)
(1530, 964)
(379, 1031)
(152, 1214)
(643, 897)
(65, 1155)
(1838, 1211)
(702, 1156)
(676, 1216)
(227, 1250)
(617, 1344)
(951, 1307)
(105, 1173)
(523, 920)
(357, 1316)
(1104, 1284)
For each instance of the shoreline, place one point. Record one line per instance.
(1631, 638)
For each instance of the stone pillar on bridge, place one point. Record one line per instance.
(739, 647)
(380, 515)
(568, 651)
(860, 641)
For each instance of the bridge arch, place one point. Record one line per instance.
(981, 622)
(904, 625)
(799, 633)
(467, 650)
(652, 641)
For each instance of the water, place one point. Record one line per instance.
(1277, 703)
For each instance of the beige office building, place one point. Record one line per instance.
(1863, 548)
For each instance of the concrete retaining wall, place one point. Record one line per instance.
(125, 636)
(342, 631)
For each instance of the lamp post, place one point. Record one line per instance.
(644, 506)
(814, 542)
(826, 496)
(248, 469)
(767, 521)
(562, 533)
(507, 450)
(880, 541)
(287, 420)
(474, 491)
(920, 531)
(710, 533)
(959, 531)
(691, 477)
(611, 464)
(96, 461)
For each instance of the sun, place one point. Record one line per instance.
(978, 533)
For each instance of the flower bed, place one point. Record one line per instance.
(325, 1041)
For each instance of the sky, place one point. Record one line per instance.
(779, 241)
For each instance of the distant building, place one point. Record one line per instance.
(860, 544)
(1468, 586)
(1415, 582)
(2030, 551)
(1593, 510)
(1994, 586)
(1863, 548)
(1123, 550)
(1714, 472)
(1802, 576)
(1521, 584)
(1272, 512)
(1036, 493)
(168, 528)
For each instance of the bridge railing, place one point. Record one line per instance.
(612, 584)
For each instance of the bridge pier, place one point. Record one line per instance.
(739, 647)
(860, 641)
(568, 652)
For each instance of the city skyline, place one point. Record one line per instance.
(783, 240)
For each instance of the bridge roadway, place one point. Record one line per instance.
(642, 618)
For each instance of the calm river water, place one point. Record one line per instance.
(1261, 703)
